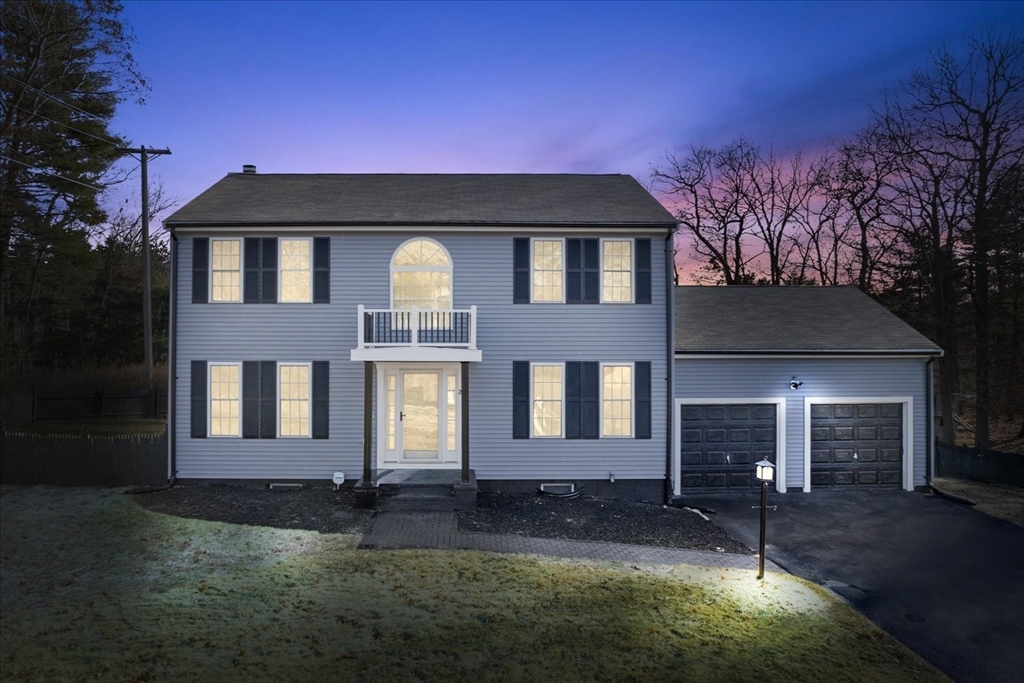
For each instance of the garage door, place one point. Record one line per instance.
(719, 444)
(857, 444)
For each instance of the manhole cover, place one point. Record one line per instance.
(915, 618)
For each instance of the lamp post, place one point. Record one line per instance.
(765, 473)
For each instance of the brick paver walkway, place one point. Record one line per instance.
(439, 530)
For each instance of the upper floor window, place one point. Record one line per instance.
(296, 270)
(421, 276)
(226, 270)
(548, 269)
(617, 271)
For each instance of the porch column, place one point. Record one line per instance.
(465, 422)
(367, 422)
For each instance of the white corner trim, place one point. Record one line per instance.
(908, 431)
(780, 434)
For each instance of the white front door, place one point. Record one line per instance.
(420, 416)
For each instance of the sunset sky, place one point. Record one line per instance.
(513, 87)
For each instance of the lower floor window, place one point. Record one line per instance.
(616, 400)
(294, 400)
(224, 400)
(547, 400)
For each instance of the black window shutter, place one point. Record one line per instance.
(642, 394)
(591, 271)
(321, 399)
(322, 270)
(520, 399)
(521, 270)
(573, 396)
(268, 399)
(573, 271)
(200, 270)
(643, 271)
(589, 400)
(268, 271)
(252, 271)
(198, 382)
(250, 399)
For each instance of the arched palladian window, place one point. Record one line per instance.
(421, 276)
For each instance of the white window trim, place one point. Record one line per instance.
(279, 398)
(632, 270)
(908, 431)
(280, 270)
(240, 271)
(389, 458)
(632, 400)
(450, 269)
(534, 435)
(209, 399)
(533, 299)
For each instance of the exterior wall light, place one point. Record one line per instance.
(765, 473)
(795, 384)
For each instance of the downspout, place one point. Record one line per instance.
(929, 420)
(670, 335)
(172, 362)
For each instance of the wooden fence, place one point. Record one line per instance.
(83, 460)
(994, 467)
(29, 407)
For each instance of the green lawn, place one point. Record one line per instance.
(94, 587)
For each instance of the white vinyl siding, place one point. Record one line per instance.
(293, 400)
(224, 399)
(547, 404)
(548, 271)
(616, 400)
(225, 271)
(616, 271)
(296, 270)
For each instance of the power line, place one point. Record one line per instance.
(69, 107)
(80, 132)
(55, 175)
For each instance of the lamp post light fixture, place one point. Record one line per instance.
(765, 473)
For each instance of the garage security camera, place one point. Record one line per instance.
(795, 384)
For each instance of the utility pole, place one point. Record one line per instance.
(147, 307)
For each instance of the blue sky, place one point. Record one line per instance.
(601, 87)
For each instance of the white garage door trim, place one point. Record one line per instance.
(780, 435)
(908, 431)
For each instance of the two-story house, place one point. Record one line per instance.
(510, 331)
(505, 330)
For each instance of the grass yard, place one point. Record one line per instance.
(92, 587)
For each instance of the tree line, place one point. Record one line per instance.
(922, 209)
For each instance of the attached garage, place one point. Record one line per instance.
(719, 444)
(823, 381)
(856, 444)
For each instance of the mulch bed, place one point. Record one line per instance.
(328, 511)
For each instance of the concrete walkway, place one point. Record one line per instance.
(440, 530)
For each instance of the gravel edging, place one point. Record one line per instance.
(325, 510)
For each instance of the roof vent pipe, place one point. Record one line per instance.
(249, 168)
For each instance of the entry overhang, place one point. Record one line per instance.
(417, 354)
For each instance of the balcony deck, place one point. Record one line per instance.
(416, 335)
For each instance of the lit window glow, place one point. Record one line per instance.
(617, 271)
(224, 400)
(296, 271)
(294, 400)
(547, 400)
(226, 270)
(616, 400)
(547, 271)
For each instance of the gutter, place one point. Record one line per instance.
(670, 311)
(810, 352)
(172, 363)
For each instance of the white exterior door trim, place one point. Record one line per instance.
(780, 435)
(392, 458)
(908, 431)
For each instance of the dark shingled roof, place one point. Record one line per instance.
(789, 320)
(423, 199)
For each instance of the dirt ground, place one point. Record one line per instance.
(1004, 502)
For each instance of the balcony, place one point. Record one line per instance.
(416, 335)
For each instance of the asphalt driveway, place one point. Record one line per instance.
(942, 577)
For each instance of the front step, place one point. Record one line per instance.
(425, 490)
